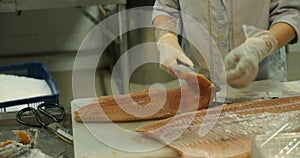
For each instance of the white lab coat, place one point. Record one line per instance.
(223, 19)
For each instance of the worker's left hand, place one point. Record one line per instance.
(242, 63)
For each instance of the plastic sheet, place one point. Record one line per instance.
(231, 134)
(234, 125)
(281, 145)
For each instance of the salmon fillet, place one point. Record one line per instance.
(230, 135)
(195, 93)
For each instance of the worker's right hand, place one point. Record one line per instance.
(171, 52)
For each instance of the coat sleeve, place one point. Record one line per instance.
(287, 11)
(168, 8)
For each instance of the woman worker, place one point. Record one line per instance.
(250, 34)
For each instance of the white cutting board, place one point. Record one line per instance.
(86, 145)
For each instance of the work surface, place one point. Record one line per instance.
(92, 139)
(99, 140)
(87, 145)
(48, 143)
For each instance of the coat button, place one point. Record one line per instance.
(221, 17)
(222, 43)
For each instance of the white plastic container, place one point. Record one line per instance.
(284, 145)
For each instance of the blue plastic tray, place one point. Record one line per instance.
(34, 70)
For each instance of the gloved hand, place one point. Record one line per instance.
(170, 52)
(242, 63)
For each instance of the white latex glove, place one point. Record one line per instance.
(242, 63)
(170, 52)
